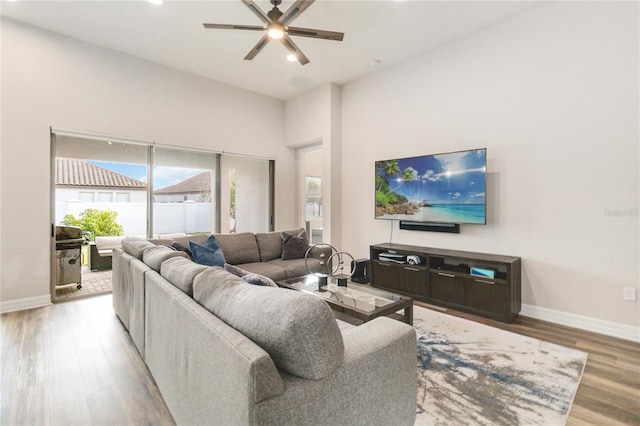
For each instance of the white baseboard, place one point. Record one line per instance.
(27, 303)
(609, 328)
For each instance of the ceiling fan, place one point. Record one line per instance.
(277, 28)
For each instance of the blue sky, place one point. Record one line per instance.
(454, 178)
(163, 176)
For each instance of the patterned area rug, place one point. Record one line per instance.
(473, 374)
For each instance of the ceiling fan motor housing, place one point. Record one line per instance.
(274, 14)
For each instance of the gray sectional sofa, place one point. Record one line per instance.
(260, 253)
(226, 352)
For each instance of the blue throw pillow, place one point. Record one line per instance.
(209, 254)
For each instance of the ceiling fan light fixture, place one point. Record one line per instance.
(275, 31)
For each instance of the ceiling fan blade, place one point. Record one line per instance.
(257, 11)
(257, 48)
(291, 47)
(233, 27)
(294, 11)
(308, 32)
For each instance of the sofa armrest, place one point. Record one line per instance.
(107, 244)
(376, 384)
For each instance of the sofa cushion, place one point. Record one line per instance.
(298, 330)
(269, 245)
(294, 245)
(180, 272)
(208, 254)
(268, 269)
(239, 248)
(135, 246)
(154, 256)
(296, 267)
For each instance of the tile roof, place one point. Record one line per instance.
(74, 172)
(196, 184)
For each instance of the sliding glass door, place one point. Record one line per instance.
(246, 194)
(184, 191)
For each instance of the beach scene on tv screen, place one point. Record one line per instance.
(433, 188)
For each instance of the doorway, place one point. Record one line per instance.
(99, 189)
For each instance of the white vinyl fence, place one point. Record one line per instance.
(187, 216)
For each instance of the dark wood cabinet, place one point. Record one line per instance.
(413, 280)
(445, 278)
(447, 288)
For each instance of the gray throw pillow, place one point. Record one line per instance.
(298, 330)
(294, 246)
(257, 279)
(250, 277)
(238, 272)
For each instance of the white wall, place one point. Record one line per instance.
(311, 118)
(553, 95)
(51, 80)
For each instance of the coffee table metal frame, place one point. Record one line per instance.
(359, 301)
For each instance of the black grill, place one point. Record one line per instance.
(69, 242)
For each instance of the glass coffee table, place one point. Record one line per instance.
(359, 301)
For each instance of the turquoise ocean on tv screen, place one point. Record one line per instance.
(454, 213)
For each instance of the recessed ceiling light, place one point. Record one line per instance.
(156, 2)
(292, 58)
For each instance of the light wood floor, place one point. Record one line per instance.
(73, 363)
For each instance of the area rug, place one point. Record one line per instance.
(473, 374)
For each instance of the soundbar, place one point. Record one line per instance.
(453, 228)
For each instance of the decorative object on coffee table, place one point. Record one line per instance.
(339, 273)
(327, 268)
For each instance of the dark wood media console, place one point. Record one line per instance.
(443, 277)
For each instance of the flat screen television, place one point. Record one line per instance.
(439, 188)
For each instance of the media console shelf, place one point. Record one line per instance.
(443, 277)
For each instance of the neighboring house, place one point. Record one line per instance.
(80, 180)
(196, 188)
(81, 185)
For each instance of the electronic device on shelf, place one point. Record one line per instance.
(483, 271)
(392, 257)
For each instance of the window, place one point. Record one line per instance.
(105, 197)
(313, 197)
(123, 197)
(87, 197)
(188, 188)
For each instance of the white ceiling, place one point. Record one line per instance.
(385, 32)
